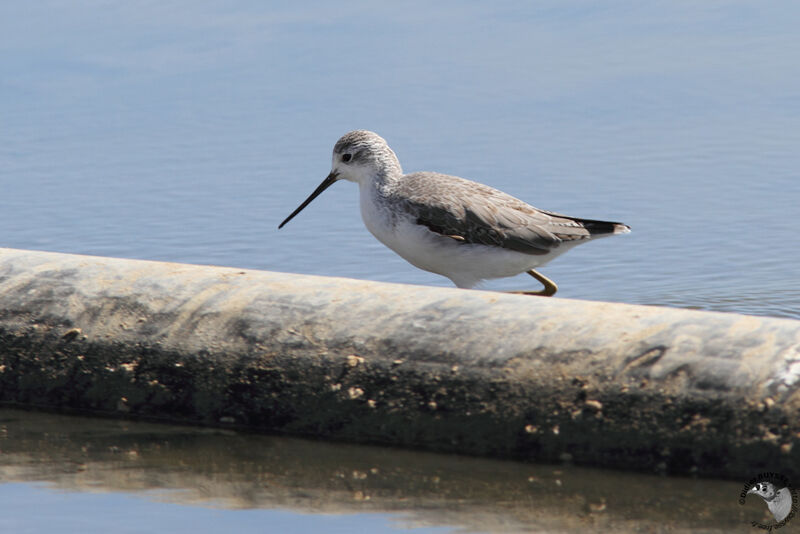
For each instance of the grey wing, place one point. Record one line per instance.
(478, 214)
(472, 212)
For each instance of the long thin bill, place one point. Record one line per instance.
(326, 183)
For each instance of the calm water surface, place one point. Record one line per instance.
(187, 131)
(94, 475)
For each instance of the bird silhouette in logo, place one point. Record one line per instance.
(779, 501)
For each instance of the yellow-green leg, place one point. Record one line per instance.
(549, 289)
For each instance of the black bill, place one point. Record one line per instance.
(326, 183)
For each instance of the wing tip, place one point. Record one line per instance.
(620, 228)
(601, 228)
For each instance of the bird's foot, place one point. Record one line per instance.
(549, 289)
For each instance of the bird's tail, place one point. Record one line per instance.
(620, 228)
(599, 228)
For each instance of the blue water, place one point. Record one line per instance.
(87, 475)
(34, 508)
(186, 131)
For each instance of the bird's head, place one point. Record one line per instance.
(766, 490)
(359, 156)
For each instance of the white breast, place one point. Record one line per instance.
(464, 264)
(414, 243)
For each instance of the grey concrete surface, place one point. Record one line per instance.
(553, 380)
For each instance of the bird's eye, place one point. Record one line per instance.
(347, 157)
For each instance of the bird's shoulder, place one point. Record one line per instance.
(459, 194)
(474, 213)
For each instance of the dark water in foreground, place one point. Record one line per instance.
(95, 475)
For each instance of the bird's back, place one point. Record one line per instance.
(478, 213)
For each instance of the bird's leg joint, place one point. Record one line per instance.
(549, 289)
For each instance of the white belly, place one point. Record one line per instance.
(464, 264)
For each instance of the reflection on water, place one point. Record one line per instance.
(231, 471)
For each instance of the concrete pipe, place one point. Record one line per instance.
(472, 372)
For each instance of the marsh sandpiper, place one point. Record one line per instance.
(464, 230)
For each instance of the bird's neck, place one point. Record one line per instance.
(384, 180)
(386, 167)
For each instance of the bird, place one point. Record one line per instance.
(464, 230)
(779, 501)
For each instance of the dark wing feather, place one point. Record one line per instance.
(475, 213)
(472, 227)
